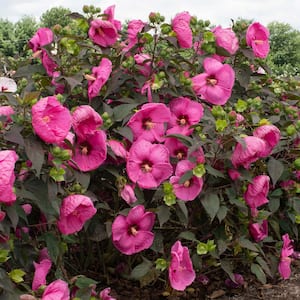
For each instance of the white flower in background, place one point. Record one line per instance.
(7, 85)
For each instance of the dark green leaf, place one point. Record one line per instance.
(163, 214)
(13, 216)
(222, 212)
(188, 235)
(214, 172)
(186, 140)
(211, 204)
(35, 153)
(53, 245)
(244, 243)
(84, 282)
(275, 169)
(186, 176)
(121, 111)
(14, 135)
(182, 212)
(141, 270)
(264, 265)
(226, 265)
(259, 273)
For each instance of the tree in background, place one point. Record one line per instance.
(284, 58)
(7, 38)
(55, 15)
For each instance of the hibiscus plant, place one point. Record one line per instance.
(148, 151)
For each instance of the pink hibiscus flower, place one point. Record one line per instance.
(148, 122)
(104, 32)
(148, 164)
(184, 113)
(181, 271)
(181, 26)
(51, 121)
(85, 120)
(48, 63)
(257, 37)
(143, 62)
(226, 39)
(287, 250)
(270, 134)
(127, 194)
(104, 295)
(259, 231)
(75, 210)
(6, 111)
(244, 155)
(132, 233)
(90, 151)
(190, 189)
(7, 85)
(57, 290)
(134, 28)
(8, 159)
(257, 192)
(42, 37)
(215, 84)
(176, 148)
(42, 268)
(99, 77)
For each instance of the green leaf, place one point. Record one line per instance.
(4, 255)
(214, 172)
(226, 265)
(264, 265)
(13, 216)
(163, 214)
(84, 282)
(14, 135)
(186, 140)
(141, 270)
(35, 153)
(211, 204)
(188, 235)
(222, 213)
(275, 169)
(53, 245)
(123, 110)
(17, 275)
(185, 177)
(244, 243)
(259, 273)
(182, 212)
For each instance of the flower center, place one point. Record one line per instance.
(180, 154)
(46, 119)
(258, 42)
(133, 230)
(3, 88)
(211, 81)
(100, 31)
(182, 120)
(84, 149)
(187, 183)
(146, 167)
(148, 124)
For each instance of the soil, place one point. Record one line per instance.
(252, 290)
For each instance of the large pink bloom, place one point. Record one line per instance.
(184, 114)
(8, 159)
(6, 111)
(176, 148)
(181, 271)
(104, 32)
(134, 28)
(90, 151)
(190, 189)
(85, 120)
(270, 134)
(75, 210)
(51, 121)
(42, 37)
(257, 37)
(181, 26)
(104, 294)
(226, 38)
(215, 84)
(287, 250)
(57, 290)
(99, 77)
(253, 149)
(257, 192)
(132, 233)
(42, 268)
(143, 62)
(148, 122)
(148, 164)
(259, 231)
